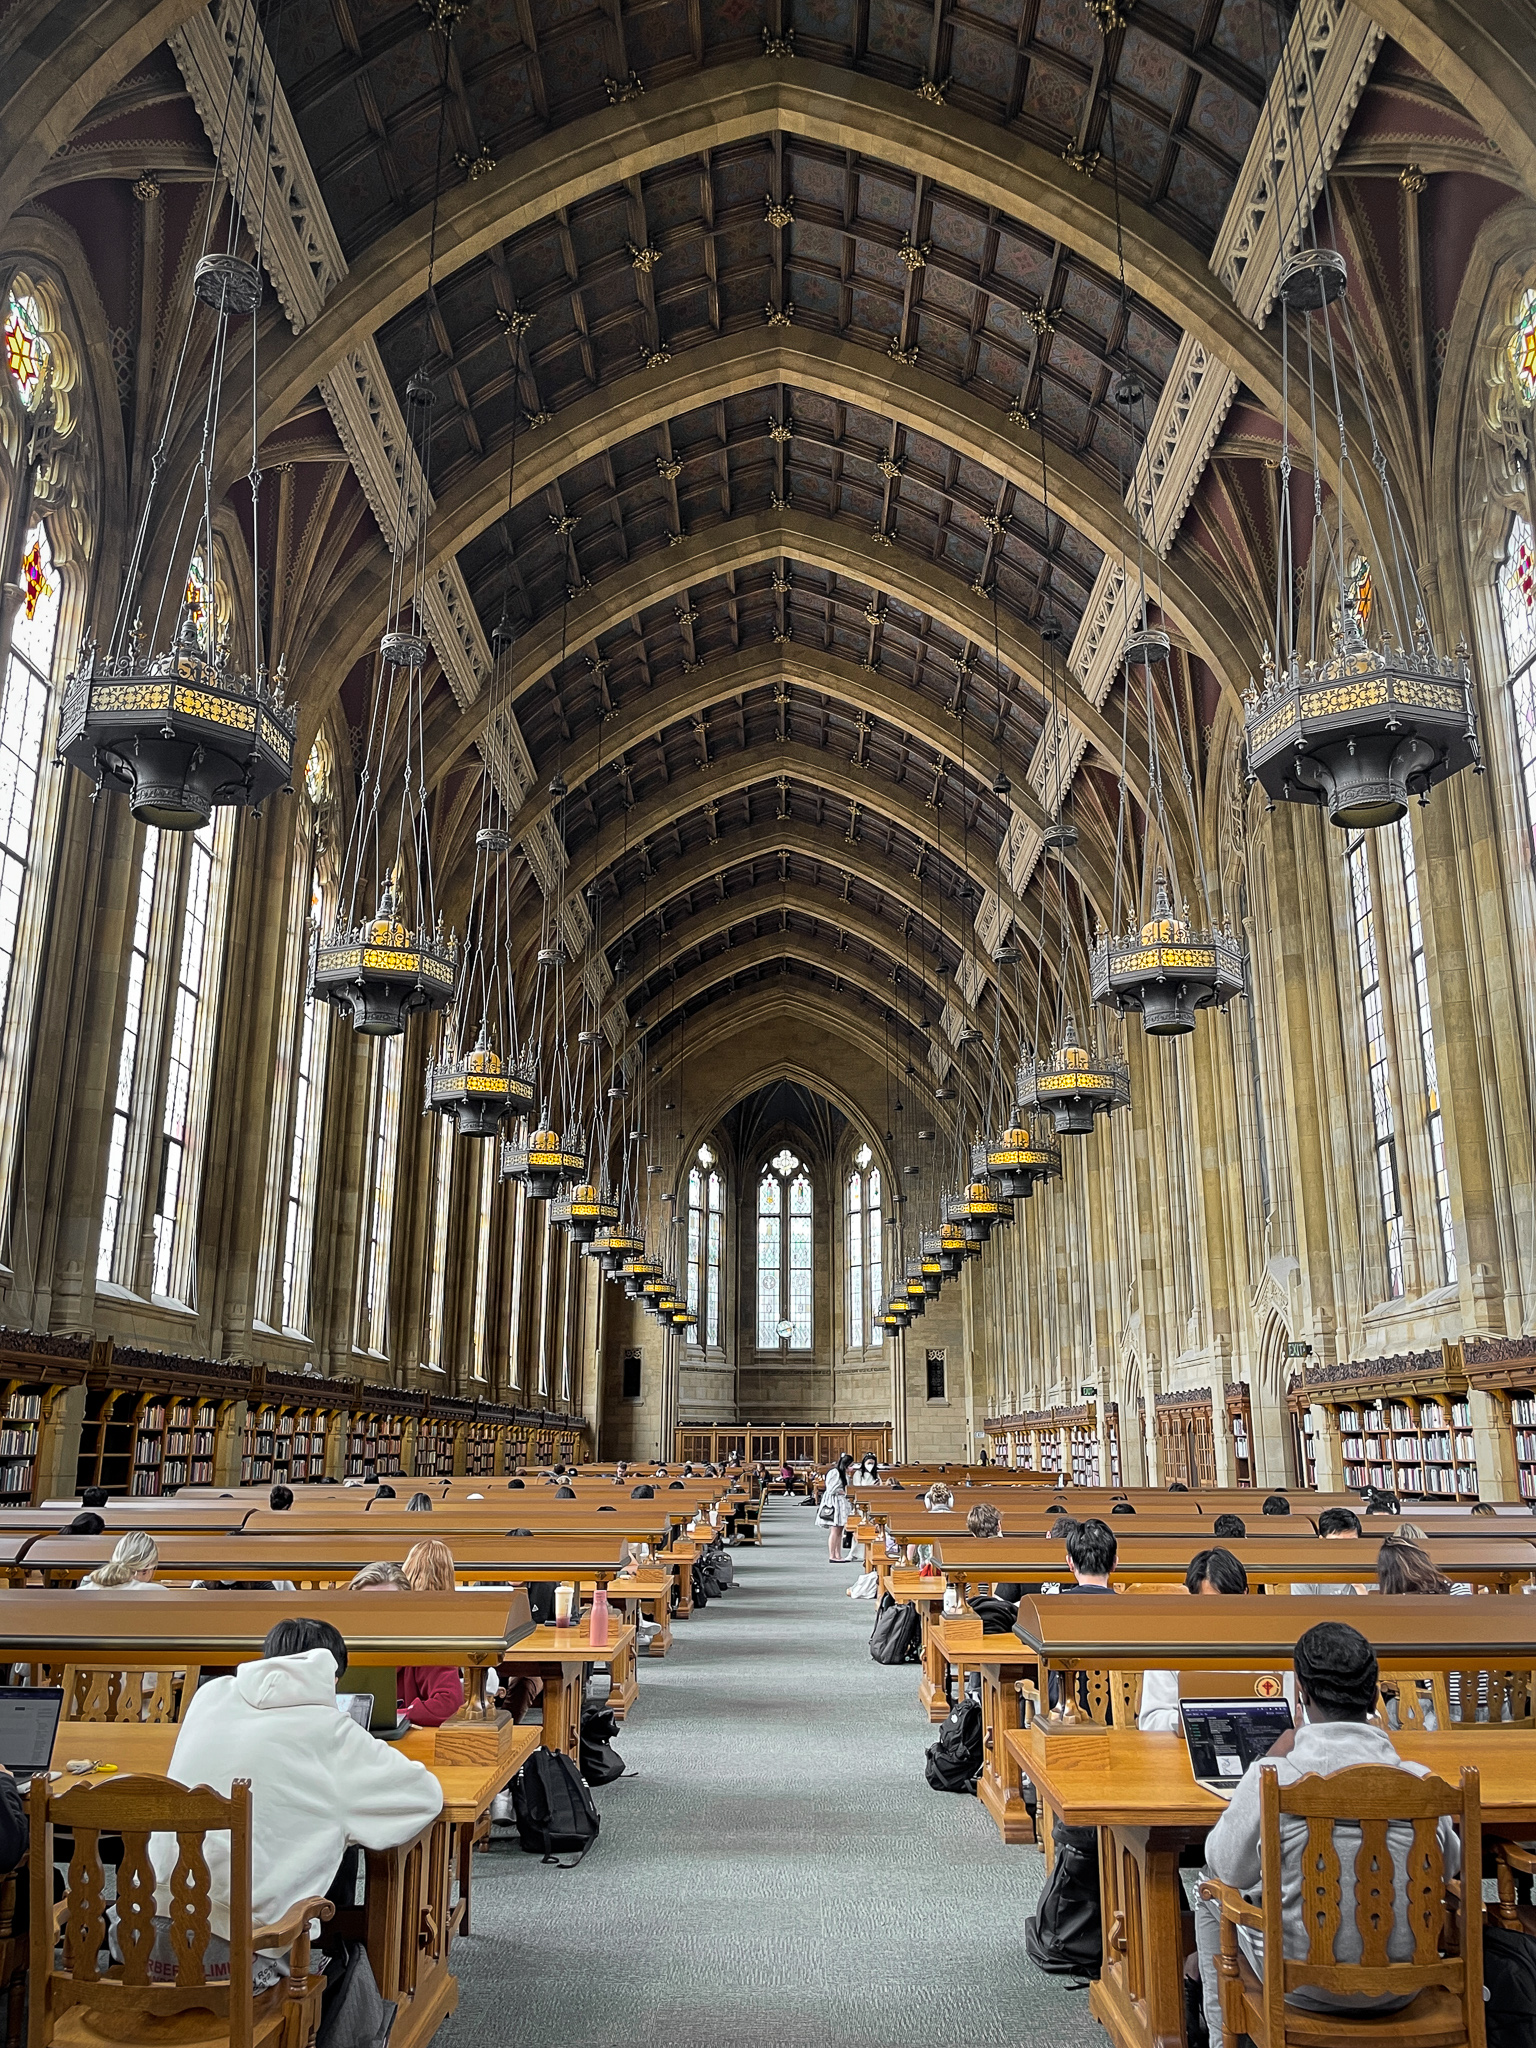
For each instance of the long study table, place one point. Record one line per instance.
(1139, 1792)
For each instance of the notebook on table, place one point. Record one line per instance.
(29, 1720)
(1226, 1736)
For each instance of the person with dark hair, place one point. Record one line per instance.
(1276, 1504)
(93, 1496)
(88, 1524)
(1380, 1501)
(517, 1486)
(1177, 1486)
(1091, 1552)
(1210, 1572)
(1062, 1527)
(565, 1493)
(836, 1509)
(1122, 1507)
(1336, 1687)
(385, 1493)
(280, 1499)
(1335, 1523)
(676, 1486)
(642, 1492)
(1402, 1567)
(419, 1504)
(319, 1781)
(1056, 1508)
(1229, 1525)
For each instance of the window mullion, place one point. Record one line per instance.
(142, 1164)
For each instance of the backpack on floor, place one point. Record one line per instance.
(897, 1636)
(1064, 1936)
(553, 1808)
(954, 1761)
(725, 1570)
(600, 1761)
(700, 1585)
(1509, 1988)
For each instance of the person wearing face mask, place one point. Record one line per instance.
(1210, 1571)
(1336, 1690)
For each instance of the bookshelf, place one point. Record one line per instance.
(1305, 1447)
(1416, 1446)
(375, 1444)
(106, 1440)
(481, 1445)
(435, 1444)
(20, 1436)
(186, 1446)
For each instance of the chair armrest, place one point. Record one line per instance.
(1234, 1907)
(294, 1922)
(1523, 1860)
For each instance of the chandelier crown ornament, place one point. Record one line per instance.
(187, 730)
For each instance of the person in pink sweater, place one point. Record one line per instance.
(427, 1695)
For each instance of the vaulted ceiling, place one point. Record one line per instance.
(790, 367)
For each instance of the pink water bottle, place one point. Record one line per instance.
(599, 1626)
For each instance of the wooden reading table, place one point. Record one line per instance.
(1273, 1562)
(326, 1558)
(1139, 1792)
(410, 1919)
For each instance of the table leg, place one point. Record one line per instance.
(933, 1686)
(624, 1683)
(1139, 1998)
(1000, 1787)
(563, 1685)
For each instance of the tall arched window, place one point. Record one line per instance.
(23, 717)
(379, 1203)
(706, 1208)
(1517, 608)
(784, 1268)
(866, 1270)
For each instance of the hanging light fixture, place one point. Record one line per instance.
(1152, 959)
(480, 1079)
(380, 967)
(1074, 1082)
(166, 716)
(1359, 708)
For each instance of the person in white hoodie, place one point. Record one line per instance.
(319, 1781)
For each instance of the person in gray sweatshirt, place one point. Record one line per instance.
(1336, 1688)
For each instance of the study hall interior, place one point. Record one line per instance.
(767, 900)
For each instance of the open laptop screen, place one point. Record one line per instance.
(1226, 1736)
(29, 1720)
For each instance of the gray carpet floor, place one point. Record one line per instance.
(778, 1871)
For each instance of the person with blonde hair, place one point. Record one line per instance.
(429, 1694)
(131, 1568)
(380, 1577)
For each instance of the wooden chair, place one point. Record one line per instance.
(1422, 1700)
(1510, 1863)
(81, 1999)
(1445, 1985)
(107, 1692)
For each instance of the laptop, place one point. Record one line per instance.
(29, 1720)
(368, 1692)
(1226, 1736)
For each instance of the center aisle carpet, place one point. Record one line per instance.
(779, 1872)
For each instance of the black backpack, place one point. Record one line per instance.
(700, 1585)
(997, 1617)
(1509, 1988)
(725, 1571)
(897, 1636)
(600, 1761)
(1064, 1936)
(954, 1761)
(553, 1808)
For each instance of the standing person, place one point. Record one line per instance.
(835, 1508)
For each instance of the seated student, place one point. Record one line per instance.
(1177, 1486)
(280, 1499)
(1091, 1552)
(1230, 1526)
(1403, 1567)
(385, 1493)
(93, 1496)
(429, 1694)
(517, 1486)
(131, 1568)
(1336, 1686)
(1336, 1524)
(984, 1520)
(569, 1492)
(1276, 1504)
(88, 1523)
(1210, 1571)
(419, 1504)
(319, 1780)
(1122, 1507)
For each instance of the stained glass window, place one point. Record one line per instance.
(855, 1262)
(865, 1267)
(1522, 348)
(35, 585)
(1377, 1063)
(196, 597)
(784, 1265)
(1517, 607)
(26, 350)
(1429, 1065)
